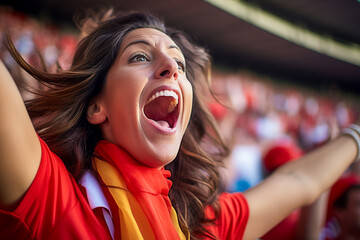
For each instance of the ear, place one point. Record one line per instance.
(95, 113)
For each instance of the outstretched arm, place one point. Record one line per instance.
(20, 150)
(296, 184)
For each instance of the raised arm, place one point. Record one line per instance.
(20, 150)
(297, 184)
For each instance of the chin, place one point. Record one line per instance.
(161, 157)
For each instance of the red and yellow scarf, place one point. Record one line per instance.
(140, 194)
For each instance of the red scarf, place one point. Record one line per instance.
(149, 186)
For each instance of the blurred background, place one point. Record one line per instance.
(290, 70)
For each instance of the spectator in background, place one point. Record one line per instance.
(343, 220)
(243, 169)
(44, 46)
(304, 223)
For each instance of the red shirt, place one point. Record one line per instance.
(52, 208)
(55, 208)
(233, 217)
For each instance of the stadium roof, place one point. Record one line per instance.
(316, 42)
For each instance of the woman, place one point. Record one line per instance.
(130, 105)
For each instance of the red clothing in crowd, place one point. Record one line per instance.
(285, 230)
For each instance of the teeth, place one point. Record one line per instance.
(167, 93)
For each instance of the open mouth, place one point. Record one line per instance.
(162, 108)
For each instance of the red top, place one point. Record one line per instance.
(233, 217)
(54, 208)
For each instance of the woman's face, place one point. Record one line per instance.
(147, 100)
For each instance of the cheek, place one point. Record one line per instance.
(125, 90)
(188, 97)
(191, 96)
(122, 100)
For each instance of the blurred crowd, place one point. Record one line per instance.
(42, 43)
(265, 123)
(256, 114)
(268, 124)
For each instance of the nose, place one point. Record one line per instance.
(167, 68)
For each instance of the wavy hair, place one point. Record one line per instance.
(59, 113)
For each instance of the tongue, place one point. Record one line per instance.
(163, 123)
(157, 111)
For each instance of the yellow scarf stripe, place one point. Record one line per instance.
(133, 222)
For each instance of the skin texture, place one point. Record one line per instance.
(148, 60)
(19, 146)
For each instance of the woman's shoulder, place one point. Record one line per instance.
(52, 200)
(233, 216)
(234, 204)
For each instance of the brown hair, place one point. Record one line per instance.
(59, 113)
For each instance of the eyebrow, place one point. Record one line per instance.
(147, 43)
(136, 42)
(176, 47)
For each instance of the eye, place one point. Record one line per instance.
(181, 65)
(139, 57)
